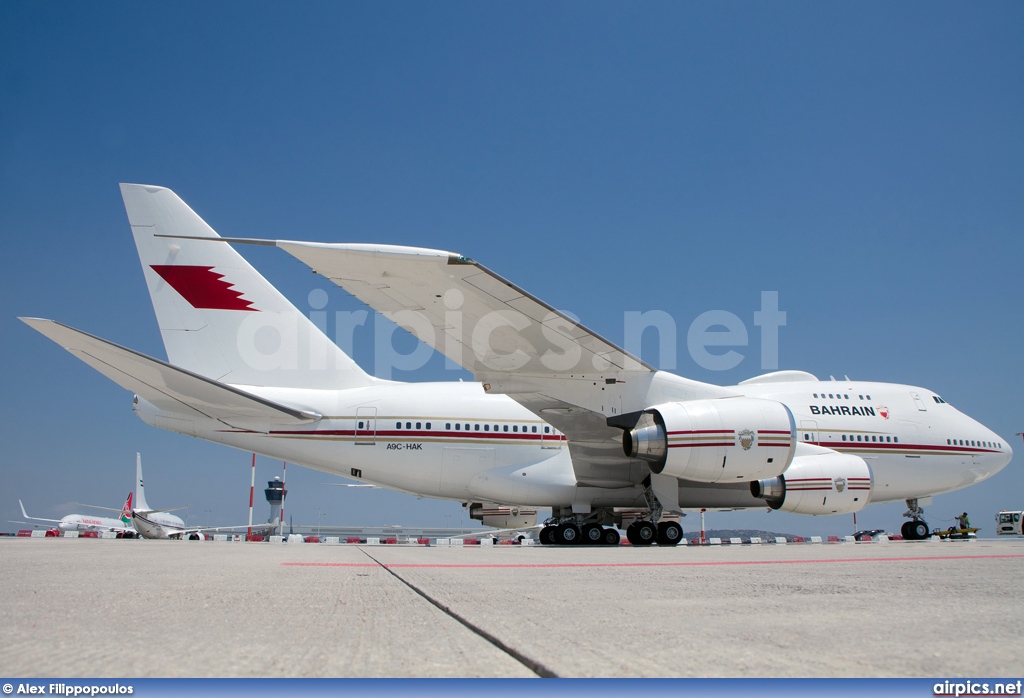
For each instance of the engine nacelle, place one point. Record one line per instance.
(824, 482)
(498, 516)
(722, 440)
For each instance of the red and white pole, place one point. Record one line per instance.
(252, 490)
(703, 540)
(284, 494)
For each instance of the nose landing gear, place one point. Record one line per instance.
(916, 528)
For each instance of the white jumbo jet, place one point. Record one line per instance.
(85, 522)
(559, 417)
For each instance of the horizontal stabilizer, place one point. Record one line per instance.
(168, 387)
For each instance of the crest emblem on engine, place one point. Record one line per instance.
(746, 439)
(840, 483)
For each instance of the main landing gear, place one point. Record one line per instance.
(916, 528)
(571, 534)
(566, 527)
(666, 533)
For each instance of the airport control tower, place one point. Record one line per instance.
(275, 498)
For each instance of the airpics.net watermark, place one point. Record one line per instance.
(968, 687)
(715, 339)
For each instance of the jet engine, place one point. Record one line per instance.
(721, 440)
(498, 516)
(824, 482)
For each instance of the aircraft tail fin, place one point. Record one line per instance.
(126, 510)
(218, 316)
(140, 489)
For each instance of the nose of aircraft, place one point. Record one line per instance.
(1000, 456)
(1007, 454)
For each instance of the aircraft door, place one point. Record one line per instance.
(366, 426)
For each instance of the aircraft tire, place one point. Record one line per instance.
(920, 529)
(547, 535)
(591, 534)
(631, 534)
(669, 533)
(567, 534)
(609, 536)
(906, 532)
(646, 533)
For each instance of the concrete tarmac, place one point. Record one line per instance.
(128, 608)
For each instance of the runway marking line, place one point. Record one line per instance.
(577, 565)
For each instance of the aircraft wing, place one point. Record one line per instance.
(513, 342)
(169, 387)
(34, 518)
(476, 318)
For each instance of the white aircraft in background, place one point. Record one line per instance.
(159, 523)
(560, 417)
(83, 522)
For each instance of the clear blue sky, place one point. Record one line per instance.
(865, 160)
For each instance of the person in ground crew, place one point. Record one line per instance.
(964, 521)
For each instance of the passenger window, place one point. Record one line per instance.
(360, 425)
(408, 425)
(467, 427)
(487, 427)
(476, 427)
(515, 428)
(888, 439)
(398, 425)
(428, 425)
(547, 430)
(419, 425)
(457, 426)
(505, 428)
(844, 437)
(534, 430)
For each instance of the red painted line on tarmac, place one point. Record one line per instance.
(578, 565)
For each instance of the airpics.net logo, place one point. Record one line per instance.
(968, 688)
(715, 340)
